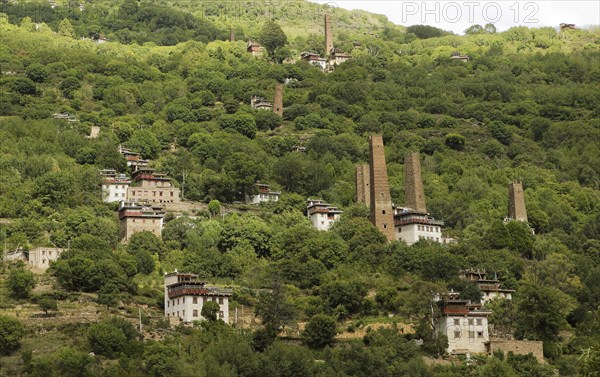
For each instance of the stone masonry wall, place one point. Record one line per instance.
(278, 100)
(414, 194)
(516, 202)
(382, 215)
(363, 184)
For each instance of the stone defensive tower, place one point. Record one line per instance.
(328, 36)
(414, 194)
(278, 100)
(516, 202)
(382, 215)
(363, 184)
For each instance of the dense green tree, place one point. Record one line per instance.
(541, 311)
(37, 72)
(108, 295)
(20, 283)
(66, 29)
(271, 37)
(425, 31)
(274, 308)
(214, 207)
(241, 123)
(46, 304)
(72, 362)
(23, 85)
(501, 132)
(11, 332)
(112, 337)
(455, 141)
(346, 294)
(144, 142)
(69, 85)
(210, 311)
(496, 368)
(161, 359)
(319, 331)
(266, 120)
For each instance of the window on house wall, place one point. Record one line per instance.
(195, 300)
(480, 334)
(195, 313)
(456, 334)
(220, 300)
(470, 321)
(479, 321)
(471, 334)
(221, 314)
(456, 321)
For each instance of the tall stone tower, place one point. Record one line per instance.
(278, 100)
(328, 36)
(516, 202)
(414, 194)
(363, 184)
(382, 215)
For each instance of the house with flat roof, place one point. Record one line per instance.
(264, 194)
(321, 214)
(150, 187)
(186, 294)
(490, 288)
(114, 186)
(134, 218)
(464, 323)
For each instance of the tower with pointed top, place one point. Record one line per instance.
(278, 100)
(382, 215)
(414, 194)
(516, 202)
(328, 36)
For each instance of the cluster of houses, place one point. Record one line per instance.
(327, 63)
(465, 324)
(141, 197)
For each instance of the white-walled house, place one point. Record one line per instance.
(322, 215)
(464, 323)
(413, 226)
(490, 288)
(114, 186)
(263, 195)
(185, 295)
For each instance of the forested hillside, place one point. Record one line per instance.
(168, 85)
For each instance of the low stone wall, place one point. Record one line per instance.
(518, 347)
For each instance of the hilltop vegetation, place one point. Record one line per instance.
(525, 107)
